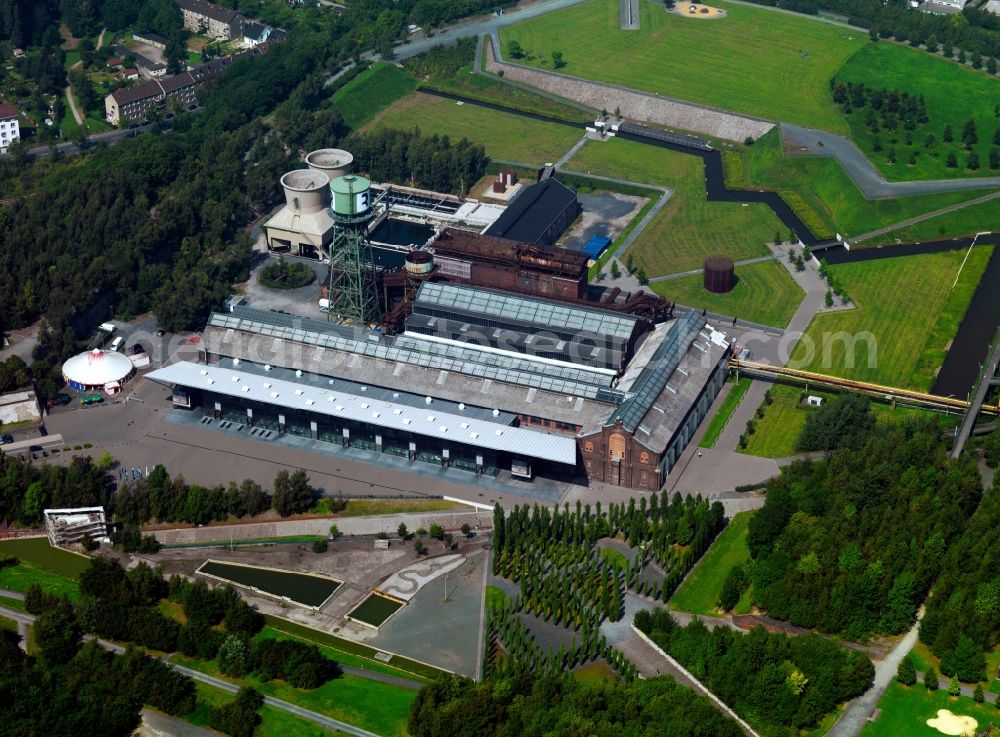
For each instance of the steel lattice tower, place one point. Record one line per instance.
(353, 292)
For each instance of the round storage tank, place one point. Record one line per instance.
(97, 369)
(351, 196)
(306, 190)
(419, 262)
(720, 275)
(333, 162)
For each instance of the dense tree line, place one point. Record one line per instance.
(162, 499)
(443, 60)
(779, 684)
(852, 545)
(527, 704)
(27, 489)
(412, 158)
(73, 691)
(962, 618)
(846, 421)
(973, 30)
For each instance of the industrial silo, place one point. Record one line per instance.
(306, 190)
(720, 274)
(333, 162)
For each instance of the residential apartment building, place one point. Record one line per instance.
(211, 20)
(10, 129)
(132, 104)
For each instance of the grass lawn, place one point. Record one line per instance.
(822, 193)
(729, 405)
(699, 594)
(344, 647)
(379, 707)
(494, 597)
(598, 670)
(764, 293)
(505, 135)
(954, 93)
(755, 61)
(8, 624)
(967, 221)
(374, 89)
(96, 125)
(615, 558)
(344, 658)
(22, 577)
(371, 507)
(276, 723)
(17, 604)
(37, 552)
(689, 228)
(906, 709)
(899, 340)
(778, 431)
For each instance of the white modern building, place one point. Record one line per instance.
(70, 526)
(97, 369)
(10, 130)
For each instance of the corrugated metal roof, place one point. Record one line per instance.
(421, 421)
(526, 310)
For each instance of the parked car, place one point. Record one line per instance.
(63, 398)
(160, 333)
(91, 399)
(8, 438)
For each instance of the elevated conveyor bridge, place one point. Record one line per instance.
(894, 395)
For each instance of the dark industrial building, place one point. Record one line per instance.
(487, 354)
(538, 214)
(442, 400)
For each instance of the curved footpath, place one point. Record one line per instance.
(870, 181)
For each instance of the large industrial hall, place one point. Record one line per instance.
(473, 352)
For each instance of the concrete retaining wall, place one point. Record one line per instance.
(634, 105)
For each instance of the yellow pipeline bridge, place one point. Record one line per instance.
(890, 394)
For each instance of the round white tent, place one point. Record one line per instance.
(98, 369)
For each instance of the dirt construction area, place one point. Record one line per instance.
(440, 625)
(604, 213)
(704, 12)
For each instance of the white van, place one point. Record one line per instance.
(116, 344)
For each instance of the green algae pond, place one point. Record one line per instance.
(302, 588)
(375, 610)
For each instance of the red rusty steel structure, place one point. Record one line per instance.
(879, 391)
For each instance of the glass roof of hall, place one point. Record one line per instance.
(526, 310)
(654, 377)
(549, 376)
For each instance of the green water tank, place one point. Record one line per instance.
(351, 195)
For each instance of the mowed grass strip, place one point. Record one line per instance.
(689, 228)
(374, 89)
(755, 61)
(721, 417)
(967, 221)
(505, 135)
(906, 710)
(699, 594)
(765, 294)
(37, 552)
(954, 94)
(378, 707)
(822, 193)
(342, 645)
(275, 722)
(900, 304)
